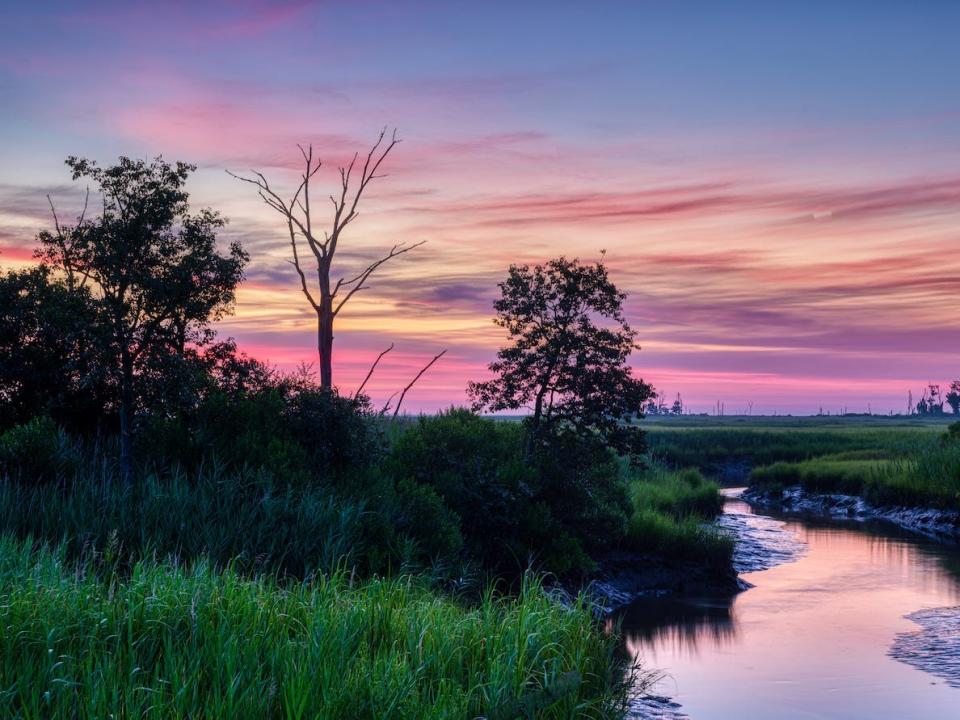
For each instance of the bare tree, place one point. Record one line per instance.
(327, 298)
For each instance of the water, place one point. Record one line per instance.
(822, 635)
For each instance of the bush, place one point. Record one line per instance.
(38, 451)
(421, 515)
(298, 434)
(569, 505)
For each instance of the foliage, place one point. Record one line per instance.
(567, 357)
(952, 397)
(37, 451)
(151, 267)
(555, 513)
(284, 424)
(174, 641)
(50, 352)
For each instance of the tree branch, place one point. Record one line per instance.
(359, 280)
(372, 368)
(418, 376)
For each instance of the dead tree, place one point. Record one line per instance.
(326, 298)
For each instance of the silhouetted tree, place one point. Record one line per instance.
(953, 397)
(562, 364)
(932, 401)
(326, 297)
(677, 407)
(51, 344)
(151, 267)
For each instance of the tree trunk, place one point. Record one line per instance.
(325, 348)
(325, 326)
(126, 418)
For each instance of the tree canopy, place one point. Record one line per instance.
(151, 267)
(566, 361)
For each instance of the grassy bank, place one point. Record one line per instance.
(927, 477)
(671, 512)
(172, 641)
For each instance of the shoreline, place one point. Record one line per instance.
(940, 525)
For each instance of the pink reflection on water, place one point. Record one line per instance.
(810, 640)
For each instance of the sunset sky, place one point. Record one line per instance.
(776, 185)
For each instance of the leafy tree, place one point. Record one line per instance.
(953, 397)
(932, 401)
(50, 359)
(677, 407)
(567, 357)
(151, 267)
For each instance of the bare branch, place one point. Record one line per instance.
(419, 374)
(372, 368)
(386, 405)
(359, 280)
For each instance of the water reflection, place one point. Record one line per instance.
(811, 639)
(678, 624)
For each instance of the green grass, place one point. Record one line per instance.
(671, 510)
(850, 477)
(921, 470)
(226, 517)
(167, 641)
(712, 443)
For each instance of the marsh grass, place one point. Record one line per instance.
(671, 514)
(755, 442)
(928, 475)
(167, 640)
(237, 517)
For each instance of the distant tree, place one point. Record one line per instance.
(327, 298)
(932, 401)
(567, 357)
(151, 267)
(677, 407)
(953, 397)
(51, 344)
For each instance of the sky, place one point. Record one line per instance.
(775, 185)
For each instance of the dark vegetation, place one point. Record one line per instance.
(190, 532)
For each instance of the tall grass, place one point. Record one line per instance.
(671, 510)
(927, 476)
(711, 446)
(238, 517)
(172, 641)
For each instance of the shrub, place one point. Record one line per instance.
(421, 515)
(38, 451)
(570, 504)
(298, 434)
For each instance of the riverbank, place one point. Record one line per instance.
(938, 524)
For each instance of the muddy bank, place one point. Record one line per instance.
(942, 525)
(624, 578)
